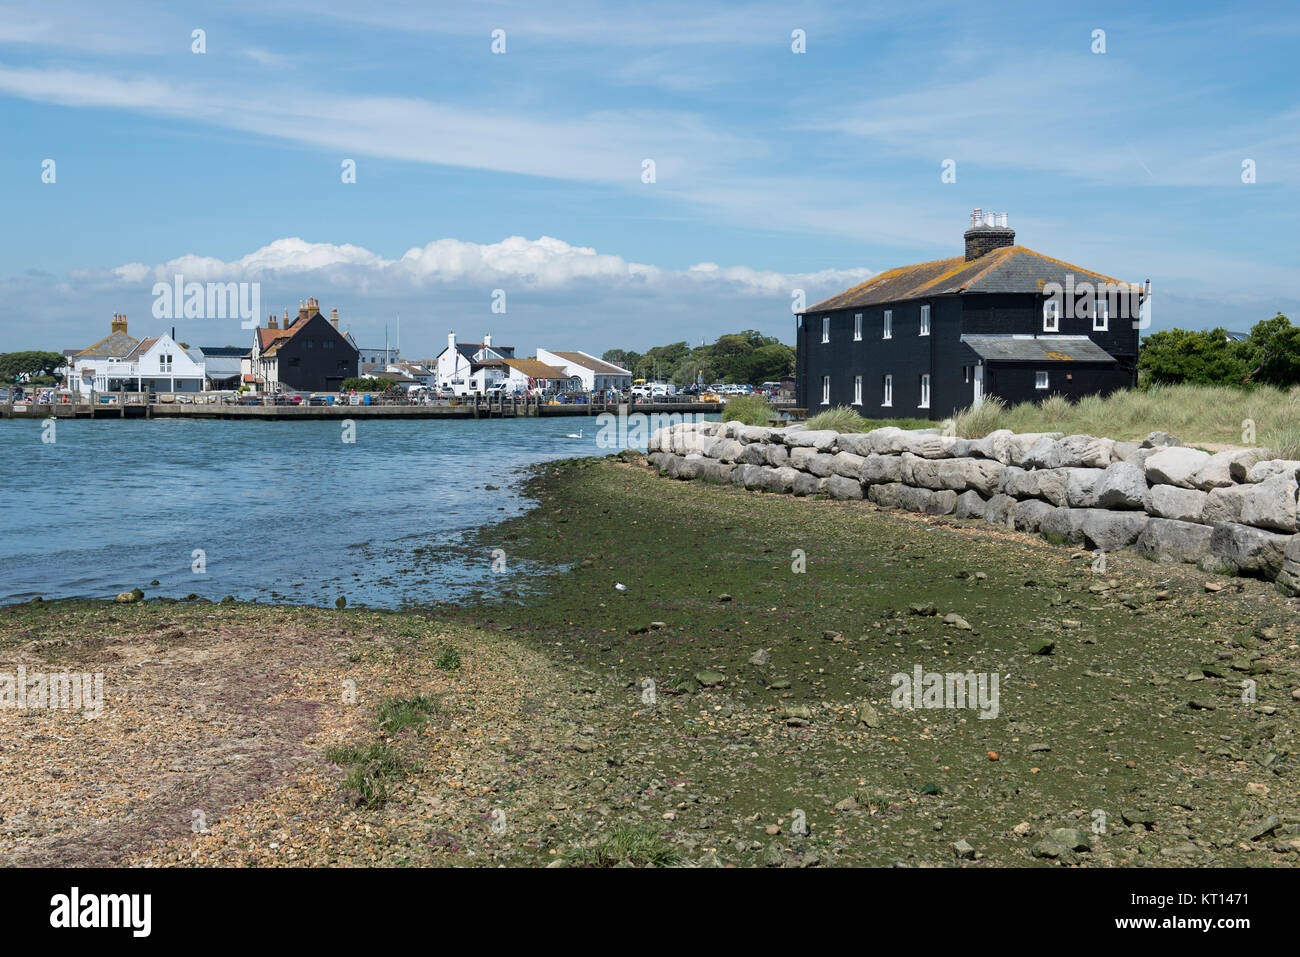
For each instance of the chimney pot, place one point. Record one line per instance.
(989, 231)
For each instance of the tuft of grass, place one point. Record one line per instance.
(749, 409)
(978, 421)
(370, 770)
(1282, 442)
(448, 659)
(627, 845)
(398, 713)
(840, 419)
(1222, 415)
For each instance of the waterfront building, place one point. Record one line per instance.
(305, 354)
(596, 375)
(924, 341)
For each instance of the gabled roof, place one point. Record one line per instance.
(116, 346)
(143, 346)
(591, 362)
(1008, 269)
(536, 369)
(1038, 349)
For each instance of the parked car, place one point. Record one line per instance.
(320, 400)
(295, 399)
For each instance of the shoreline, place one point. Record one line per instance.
(773, 695)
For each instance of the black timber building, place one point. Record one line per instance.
(927, 340)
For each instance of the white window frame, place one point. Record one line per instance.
(857, 390)
(826, 390)
(887, 327)
(1051, 315)
(826, 328)
(857, 327)
(1101, 314)
(1042, 380)
(925, 391)
(887, 400)
(925, 320)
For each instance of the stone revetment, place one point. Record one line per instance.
(1232, 513)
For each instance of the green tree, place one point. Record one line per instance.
(1272, 353)
(1205, 357)
(32, 362)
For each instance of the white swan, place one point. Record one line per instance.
(576, 435)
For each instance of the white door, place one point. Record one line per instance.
(979, 384)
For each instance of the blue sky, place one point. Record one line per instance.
(522, 171)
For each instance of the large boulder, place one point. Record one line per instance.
(842, 487)
(1272, 468)
(717, 472)
(820, 439)
(859, 443)
(726, 450)
(1245, 550)
(1021, 444)
(1063, 526)
(1177, 504)
(886, 495)
(1047, 484)
(1217, 472)
(1167, 540)
(1029, 515)
(1288, 577)
(754, 454)
(1123, 485)
(807, 459)
(1159, 440)
(1111, 531)
(787, 477)
(847, 464)
(881, 469)
(755, 433)
(996, 446)
(1177, 465)
(970, 505)
(1239, 467)
(777, 455)
(926, 501)
(805, 484)
(1267, 504)
(958, 475)
(1000, 510)
(1081, 486)
(1073, 451)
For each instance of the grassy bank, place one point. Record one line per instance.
(1205, 415)
(770, 628)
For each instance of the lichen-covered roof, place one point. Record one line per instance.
(116, 346)
(1038, 349)
(1008, 269)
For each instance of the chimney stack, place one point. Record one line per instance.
(119, 323)
(334, 319)
(271, 323)
(487, 341)
(988, 231)
(451, 341)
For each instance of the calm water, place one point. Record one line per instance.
(283, 511)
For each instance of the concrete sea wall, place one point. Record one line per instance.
(1232, 513)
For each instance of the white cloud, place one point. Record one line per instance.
(545, 263)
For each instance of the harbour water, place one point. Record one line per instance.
(268, 511)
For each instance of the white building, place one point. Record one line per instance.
(597, 375)
(121, 363)
(533, 375)
(468, 367)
